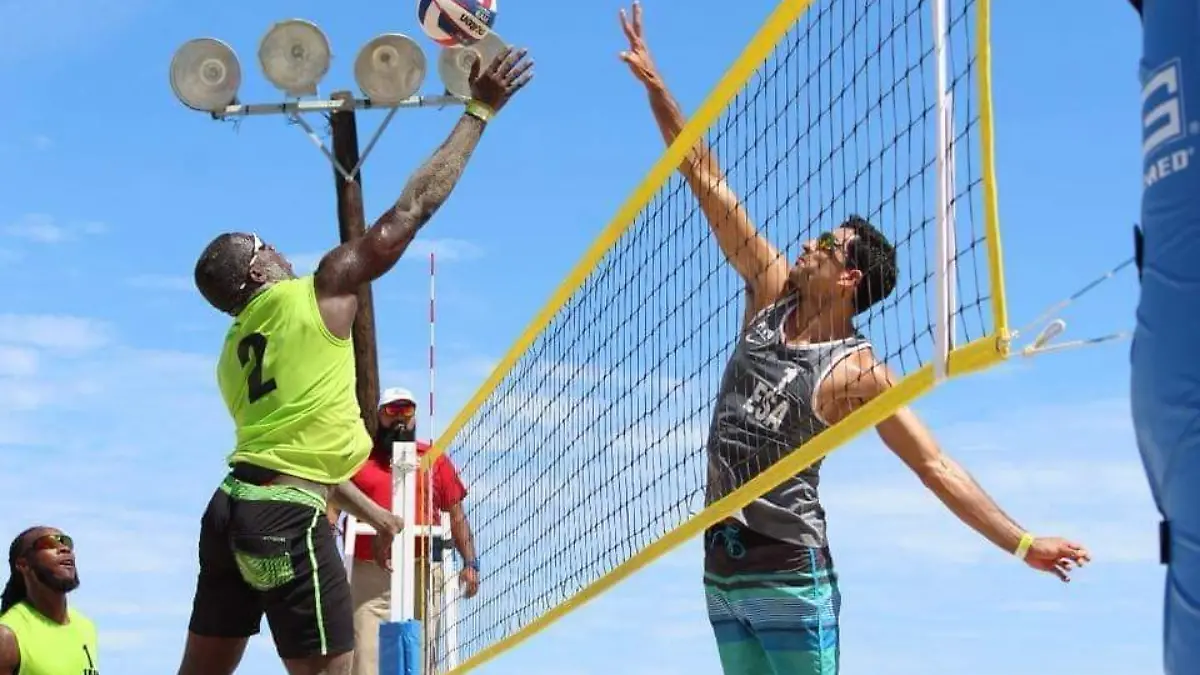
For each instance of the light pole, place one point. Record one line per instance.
(294, 55)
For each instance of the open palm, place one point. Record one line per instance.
(504, 76)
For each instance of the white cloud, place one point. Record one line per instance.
(133, 441)
(17, 361)
(37, 227)
(444, 250)
(41, 142)
(57, 332)
(45, 229)
(60, 364)
(15, 396)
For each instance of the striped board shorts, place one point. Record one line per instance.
(773, 606)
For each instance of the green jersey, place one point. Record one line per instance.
(289, 385)
(49, 648)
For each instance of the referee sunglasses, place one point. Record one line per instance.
(399, 407)
(50, 542)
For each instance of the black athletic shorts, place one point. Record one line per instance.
(268, 549)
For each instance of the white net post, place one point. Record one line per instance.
(944, 248)
(404, 504)
(350, 534)
(450, 593)
(951, 222)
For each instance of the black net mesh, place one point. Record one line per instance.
(594, 445)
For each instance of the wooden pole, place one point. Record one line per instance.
(351, 225)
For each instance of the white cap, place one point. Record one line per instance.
(396, 394)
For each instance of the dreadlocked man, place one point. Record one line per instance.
(39, 634)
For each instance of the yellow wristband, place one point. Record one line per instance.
(1023, 547)
(480, 111)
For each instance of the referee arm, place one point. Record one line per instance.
(859, 379)
(10, 654)
(759, 263)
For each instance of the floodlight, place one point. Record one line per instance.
(454, 63)
(295, 55)
(205, 74)
(390, 68)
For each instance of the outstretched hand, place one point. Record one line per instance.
(637, 57)
(504, 76)
(1057, 556)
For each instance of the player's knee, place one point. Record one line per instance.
(204, 655)
(341, 664)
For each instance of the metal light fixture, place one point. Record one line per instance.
(390, 68)
(205, 74)
(294, 56)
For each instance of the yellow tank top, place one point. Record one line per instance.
(289, 385)
(49, 648)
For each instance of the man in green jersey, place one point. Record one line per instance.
(39, 633)
(287, 376)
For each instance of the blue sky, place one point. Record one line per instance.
(111, 427)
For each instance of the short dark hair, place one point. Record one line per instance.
(222, 269)
(872, 254)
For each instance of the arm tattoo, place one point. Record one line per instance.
(429, 187)
(365, 259)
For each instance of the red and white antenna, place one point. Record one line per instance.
(432, 302)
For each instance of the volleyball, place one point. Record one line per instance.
(453, 23)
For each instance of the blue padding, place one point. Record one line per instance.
(411, 634)
(391, 649)
(400, 648)
(1165, 389)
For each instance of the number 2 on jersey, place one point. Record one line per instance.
(255, 344)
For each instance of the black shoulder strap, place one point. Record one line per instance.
(1139, 245)
(1164, 542)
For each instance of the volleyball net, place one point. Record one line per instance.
(585, 448)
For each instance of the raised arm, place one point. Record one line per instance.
(860, 378)
(758, 262)
(346, 268)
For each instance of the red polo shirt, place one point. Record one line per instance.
(375, 480)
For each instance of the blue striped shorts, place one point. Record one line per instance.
(773, 606)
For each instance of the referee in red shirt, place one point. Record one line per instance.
(371, 584)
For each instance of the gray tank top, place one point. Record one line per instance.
(765, 410)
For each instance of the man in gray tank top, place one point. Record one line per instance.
(799, 367)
